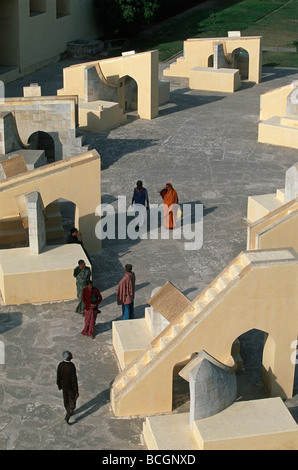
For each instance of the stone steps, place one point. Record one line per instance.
(171, 332)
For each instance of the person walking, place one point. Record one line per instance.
(140, 197)
(91, 298)
(126, 293)
(82, 273)
(170, 201)
(67, 382)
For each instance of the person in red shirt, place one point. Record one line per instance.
(91, 298)
(126, 293)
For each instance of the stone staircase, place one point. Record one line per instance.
(13, 232)
(74, 144)
(177, 330)
(176, 69)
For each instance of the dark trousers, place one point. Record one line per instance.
(128, 311)
(69, 399)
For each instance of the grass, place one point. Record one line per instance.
(275, 20)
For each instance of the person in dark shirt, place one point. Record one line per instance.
(82, 273)
(75, 236)
(140, 195)
(140, 198)
(67, 382)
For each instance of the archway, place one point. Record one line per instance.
(128, 94)
(40, 140)
(249, 379)
(180, 388)
(210, 61)
(60, 217)
(240, 61)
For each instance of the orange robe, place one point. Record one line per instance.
(170, 197)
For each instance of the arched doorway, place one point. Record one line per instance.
(180, 388)
(249, 379)
(40, 140)
(60, 217)
(128, 94)
(240, 61)
(210, 61)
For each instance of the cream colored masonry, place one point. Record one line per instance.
(258, 289)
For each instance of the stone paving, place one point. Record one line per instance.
(205, 143)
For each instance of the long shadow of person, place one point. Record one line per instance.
(92, 405)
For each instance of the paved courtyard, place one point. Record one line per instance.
(205, 143)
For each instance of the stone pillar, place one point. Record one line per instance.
(219, 59)
(291, 185)
(36, 222)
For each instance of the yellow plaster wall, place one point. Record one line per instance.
(261, 296)
(273, 131)
(277, 229)
(197, 51)
(44, 36)
(65, 179)
(207, 78)
(274, 102)
(261, 205)
(263, 424)
(276, 126)
(142, 67)
(33, 274)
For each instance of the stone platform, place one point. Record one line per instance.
(27, 277)
(253, 425)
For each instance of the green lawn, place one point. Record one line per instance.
(275, 20)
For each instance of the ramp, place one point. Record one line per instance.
(257, 290)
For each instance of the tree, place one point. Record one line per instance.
(125, 17)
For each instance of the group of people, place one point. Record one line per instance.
(89, 296)
(89, 299)
(170, 202)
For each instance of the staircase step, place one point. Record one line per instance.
(235, 269)
(223, 281)
(164, 341)
(187, 317)
(176, 329)
(211, 293)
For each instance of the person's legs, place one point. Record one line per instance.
(125, 312)
(131, 310)
(88, 319)
(69, 400)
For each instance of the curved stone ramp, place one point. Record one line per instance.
(102, 77)
(10, 140)
(258, 289)
(213, 385)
